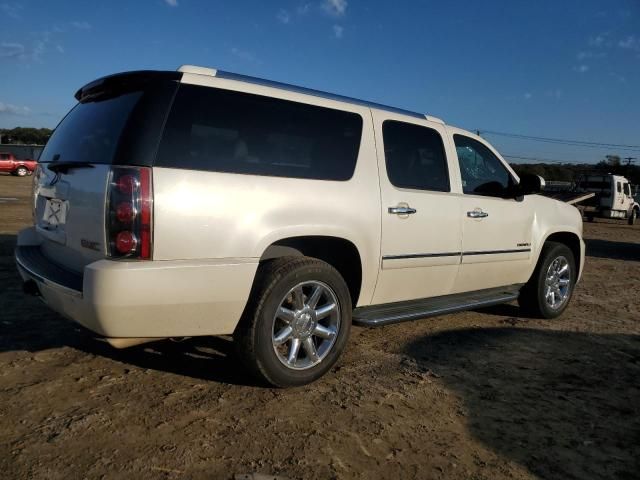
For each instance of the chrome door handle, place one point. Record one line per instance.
(477, 214)
(402, 210)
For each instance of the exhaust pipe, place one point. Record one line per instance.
(30, 287)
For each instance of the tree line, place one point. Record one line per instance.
(569, 172)
(25, 136)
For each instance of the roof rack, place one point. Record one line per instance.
(295, 88)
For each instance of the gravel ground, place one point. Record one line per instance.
(482, 395)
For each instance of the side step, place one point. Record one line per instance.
(388, 313)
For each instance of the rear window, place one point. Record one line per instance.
(225, 131)
(91, 131)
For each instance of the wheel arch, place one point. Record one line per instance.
(340, 253)
(571, 240)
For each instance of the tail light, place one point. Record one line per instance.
(129, 215)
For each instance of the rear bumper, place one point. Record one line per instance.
(147, 298)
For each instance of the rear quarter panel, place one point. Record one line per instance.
(210, 215)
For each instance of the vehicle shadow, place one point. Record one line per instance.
(615, 250)
(562, 404)
(27, 324)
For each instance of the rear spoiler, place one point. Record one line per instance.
(123, 82)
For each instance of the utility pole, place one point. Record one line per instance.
(478, 132)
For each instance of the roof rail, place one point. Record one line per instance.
(295, 88)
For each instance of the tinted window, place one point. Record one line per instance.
(415, 157)
(626, 188)
(225, 131)
(91, 131)
(4, 156)
(619, 187)
(482, 172)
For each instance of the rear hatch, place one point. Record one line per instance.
(117, 122)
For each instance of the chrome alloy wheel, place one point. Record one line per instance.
(306, 325)
(557, 284)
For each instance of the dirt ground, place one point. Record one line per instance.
(479, 395)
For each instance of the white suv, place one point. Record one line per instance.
(201, 202)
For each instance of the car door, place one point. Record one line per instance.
(497, 226)
(421, 225)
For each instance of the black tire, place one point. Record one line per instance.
(21, 171)
(254, 335)
(633, 217)
(532, 296)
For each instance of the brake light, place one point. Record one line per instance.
(129, 215)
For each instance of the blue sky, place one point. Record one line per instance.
(550, 68)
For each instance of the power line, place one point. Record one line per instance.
(560, 141)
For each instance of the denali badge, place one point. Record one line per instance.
(90, 245)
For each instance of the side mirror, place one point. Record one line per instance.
(530, 184)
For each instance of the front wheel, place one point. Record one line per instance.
(297, 321)
(548, 291)
(21, 171)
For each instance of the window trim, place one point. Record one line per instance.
(513, 178)
(444, 154)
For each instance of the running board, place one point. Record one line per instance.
(388, 313)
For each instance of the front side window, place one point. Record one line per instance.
(627, 190)
(4, 156)
(225, 131)
(482, 172)
(415, 157)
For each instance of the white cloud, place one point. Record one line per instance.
(60, 48)
(303, 9)
(171, 3)
(630, 43)
(589, 54)
(338, 31)
(11, 50)
(335, 7)
(9, 109)
(11, 9)
(245, 55)
(81, 25)
(528, 96)
(557, 93)
(581, 68)
(283, 16)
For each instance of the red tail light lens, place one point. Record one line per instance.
(129, 215)
(126, 242)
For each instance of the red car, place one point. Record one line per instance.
(9, 163)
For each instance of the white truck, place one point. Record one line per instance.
(613, 198)
(202, 202)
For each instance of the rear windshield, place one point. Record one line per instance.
(225, 131)
(91, 131)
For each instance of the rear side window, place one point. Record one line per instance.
(619, 187)
(225, 131)
(415, 157)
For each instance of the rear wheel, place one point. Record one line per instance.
(297, 321)
(21, 171)
(548, 291)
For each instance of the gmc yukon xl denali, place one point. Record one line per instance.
(201, 202)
